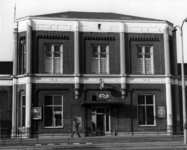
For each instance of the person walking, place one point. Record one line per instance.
(75, 127)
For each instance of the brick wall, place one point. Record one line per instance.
(86, 51)
(52, 37)
(6, 109)
(40, 90)
(158, 50)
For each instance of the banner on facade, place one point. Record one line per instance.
(37, 113)
(103, 95)
(161, 111)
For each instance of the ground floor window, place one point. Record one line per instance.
(23, 110)
(53, 111)
(146, 110)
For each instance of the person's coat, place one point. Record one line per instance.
(75, 126)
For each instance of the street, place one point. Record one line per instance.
(134, 148)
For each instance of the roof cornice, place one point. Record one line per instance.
(95, 20)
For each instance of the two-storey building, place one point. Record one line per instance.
(113, 72)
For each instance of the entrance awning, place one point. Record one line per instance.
(88, 103)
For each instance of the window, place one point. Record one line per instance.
(53, 59)
(99, 26)
(100, 59)
(23, 57)
(146, 110)
(53, 107)
(22, 110)
(145, 60)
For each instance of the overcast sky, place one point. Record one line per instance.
(175, 11)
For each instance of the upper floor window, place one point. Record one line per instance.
(146, 110)
(53, 58)
(23, 57)
(145, 60)
(100, 59)
(53, 111)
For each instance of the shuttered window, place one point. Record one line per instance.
(53, 59)
(100, 59)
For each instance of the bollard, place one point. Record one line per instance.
(37, 137)
(21, 138)
(4, 138)
(116, 133)
(129, 135)
(68, 137)
(172, 134)
(158, 132)
(143, 136)
(52, 137)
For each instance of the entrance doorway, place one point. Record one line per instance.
(101, 119)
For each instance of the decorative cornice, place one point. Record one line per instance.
(108, 26)
(89, 79)
(145, 90)
(52, 37)
(143, 39)
(99, 38)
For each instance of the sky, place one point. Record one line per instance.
(174, 11)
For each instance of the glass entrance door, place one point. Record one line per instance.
(101, 119)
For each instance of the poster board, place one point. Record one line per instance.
(37, 113)
(161, 112)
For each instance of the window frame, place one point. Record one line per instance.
(23, 61)
(52, 51)
(62, 99)
(154, 110)
(22, 122)
(144, 59)
(99, 58)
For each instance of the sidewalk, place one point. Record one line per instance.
(97, 146)
(103, 142)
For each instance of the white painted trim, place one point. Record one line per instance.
(92, 26)
(154, 107)
(91, 79)
(95, 80)
(6, 82)
(100, 20)
(15, 25)
(169, 103)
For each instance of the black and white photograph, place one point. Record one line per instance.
(93, 74)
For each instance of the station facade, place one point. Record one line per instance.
(115, 73)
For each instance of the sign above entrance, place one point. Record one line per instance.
(103, 95)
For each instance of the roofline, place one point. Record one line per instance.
(100, 20)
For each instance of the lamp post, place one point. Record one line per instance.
(183, 83)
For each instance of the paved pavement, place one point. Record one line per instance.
(102, 142)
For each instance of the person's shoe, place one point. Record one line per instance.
(71, 136)
(79, 136)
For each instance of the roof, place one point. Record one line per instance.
(94, 15)
(6, 67)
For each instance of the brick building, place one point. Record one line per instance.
(113, 72)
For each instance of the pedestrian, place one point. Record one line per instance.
(75, 127)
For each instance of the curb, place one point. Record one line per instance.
(52, 144)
